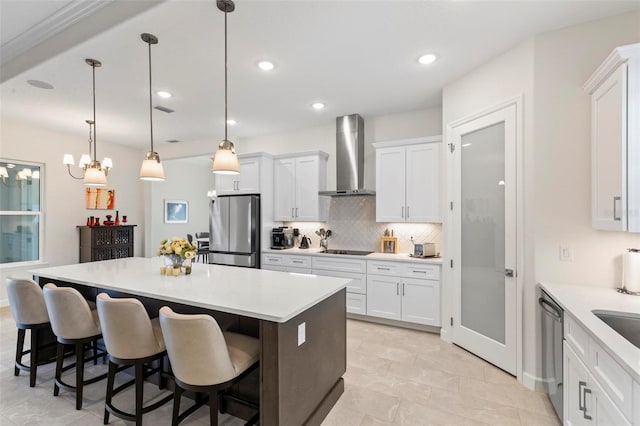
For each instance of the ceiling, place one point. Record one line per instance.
(355, 56)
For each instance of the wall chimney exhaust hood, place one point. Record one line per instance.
(349, 157)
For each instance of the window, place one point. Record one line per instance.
(21, 186)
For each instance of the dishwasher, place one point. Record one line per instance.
(552, 317)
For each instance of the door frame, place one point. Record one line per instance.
(453, 275)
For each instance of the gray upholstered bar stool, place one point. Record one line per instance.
(30, 313)
(132, 339)
(205, 360)
(73, 323)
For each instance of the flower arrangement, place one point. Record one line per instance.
(177, 246)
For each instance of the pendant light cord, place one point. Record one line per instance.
(225, 74)
(150, 98)
(93, 67)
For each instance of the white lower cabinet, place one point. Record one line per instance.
(286, 263)
(383, 297)
(585, 402)
(346, 267)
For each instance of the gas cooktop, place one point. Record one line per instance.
(349, 252)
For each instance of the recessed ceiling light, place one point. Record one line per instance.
(40, 84)
(427, 59)
(266, 65)
(318, 106)
(231, 122)
(163, 94)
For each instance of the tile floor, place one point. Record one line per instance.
(394, 377)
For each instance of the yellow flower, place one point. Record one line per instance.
(189, 254)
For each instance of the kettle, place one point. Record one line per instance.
(304, 243)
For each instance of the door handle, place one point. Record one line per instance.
(583, 390)
(615, 216)
(509, 273)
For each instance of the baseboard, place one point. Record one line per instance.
(394, 323)
(445, 335)
(532, 382)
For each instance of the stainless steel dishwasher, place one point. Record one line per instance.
(552, 316)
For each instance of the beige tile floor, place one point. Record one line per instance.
(394, 377)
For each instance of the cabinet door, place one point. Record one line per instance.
(284, 189)
(423, 183)
(421, 301)
(307, 186)
(248, 181)
(390, 184)
(585, 401)
(608, 153)
(225, 184)
(383, 297)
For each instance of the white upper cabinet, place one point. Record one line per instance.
(408, 180)
(615, 141)
(249, 180)
(297, 181)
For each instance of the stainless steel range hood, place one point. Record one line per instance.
(349, 157)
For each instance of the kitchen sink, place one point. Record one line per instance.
(625, 324)
(349, 252)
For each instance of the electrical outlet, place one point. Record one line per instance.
(566, 254)
(302, 333)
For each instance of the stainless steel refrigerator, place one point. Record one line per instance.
(234, 231)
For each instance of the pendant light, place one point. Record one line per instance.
(95, 174)
(151, 168)
(225, 161)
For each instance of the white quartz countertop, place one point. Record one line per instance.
(256, 293)
(400, 257)
(580, 301)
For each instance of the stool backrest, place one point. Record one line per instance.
(27, 301)
(70, 315)
(196, 348)
(126, 328)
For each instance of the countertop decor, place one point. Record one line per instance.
(177, 254)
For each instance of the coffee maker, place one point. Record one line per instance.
(281, 238)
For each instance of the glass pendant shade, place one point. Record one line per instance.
(225, 161)
(151, 168)
(84, 160)
(94, 175)
(68, 160)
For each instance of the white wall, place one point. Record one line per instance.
(187, 180)
(64, 202)
(549, 71)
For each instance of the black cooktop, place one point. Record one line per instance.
(349, 252)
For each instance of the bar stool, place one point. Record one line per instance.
(30, 313)
(74, 323)
(205, 360)
(132, 339)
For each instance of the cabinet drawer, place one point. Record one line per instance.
(428, 272)
(385, 268)
(577, 337)
(612, 377)
(342, 264)
(358, 282)
(272, 259)
(357, 303)
(298, 261)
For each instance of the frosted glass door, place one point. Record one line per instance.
(483, 232)
(484, 225)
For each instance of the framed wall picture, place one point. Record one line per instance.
(176, 211)
(100, 199)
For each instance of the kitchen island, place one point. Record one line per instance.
(299, 319)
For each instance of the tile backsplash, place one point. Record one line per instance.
(352, 221)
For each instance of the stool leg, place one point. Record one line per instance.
(19, 350)
(59, 362)
(33, 363)
(177, 394)
(79, 374)
(213, 408)
(94, 345)
(111, 377)
(160, 371)
(139, 367)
